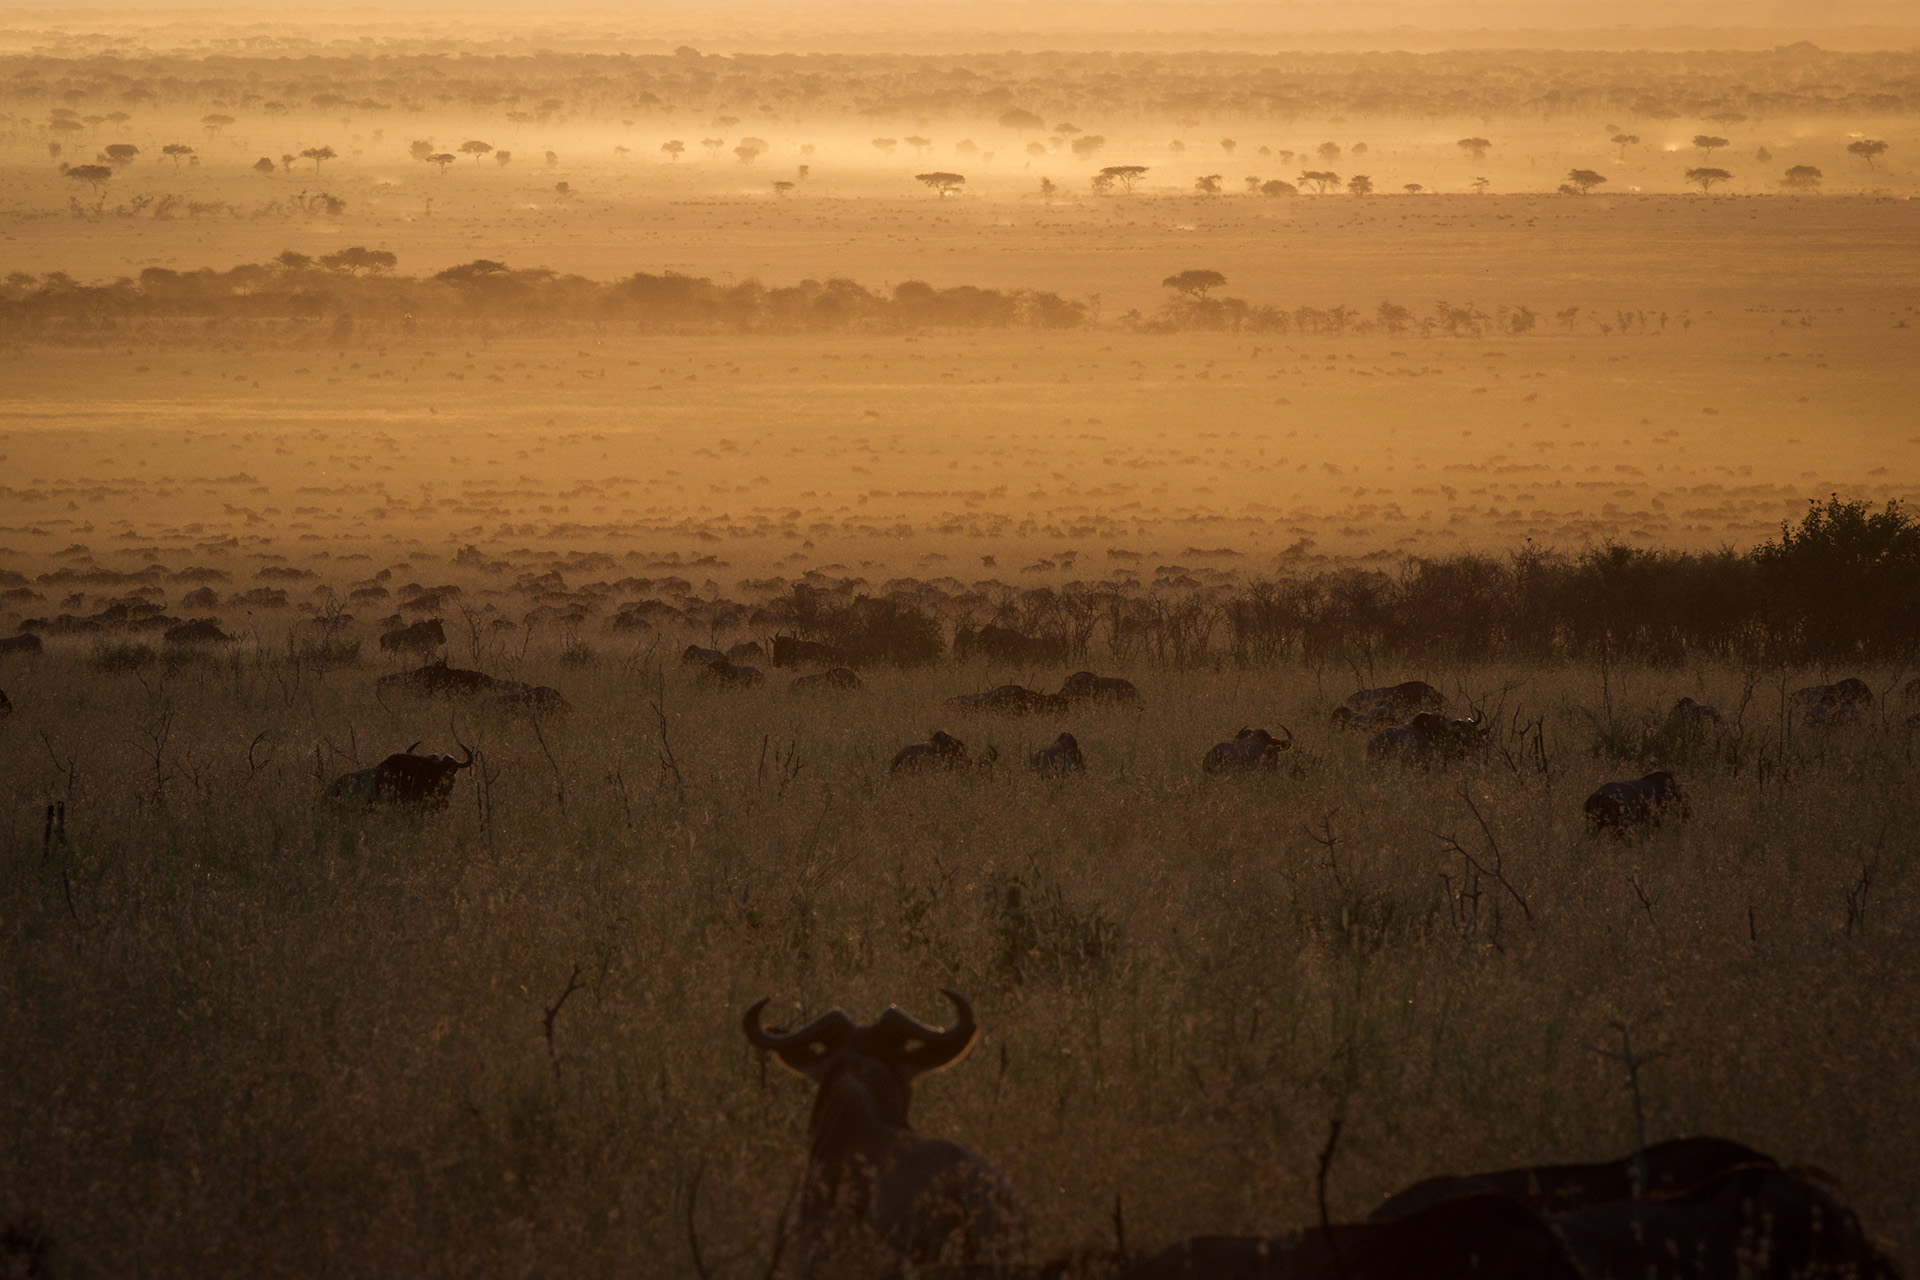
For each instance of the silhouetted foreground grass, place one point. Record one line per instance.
(252, 1034)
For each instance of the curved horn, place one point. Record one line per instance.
(924, 1048)
(799, 1049)
(1288, 745)
(409, 750)
(461, 764)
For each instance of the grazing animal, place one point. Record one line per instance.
(826, 681)
(744, 650)
(1011, 700)
(1687, 713)
(731, 675)
(1428, 738)
(1003, 644)
(695, 656)
(421, 637)
(1389, 705)
(424, 782)
(24, 643)
(198, 631)
(437, 679)
(1620, 806)
(1250, 749)
(1084, 686)
(1483, 1237)
(534, 699)
(790, 651)
(1062, 757)
(1675, 1167)
(1852, 691)
(941, 751)
(879, 1198)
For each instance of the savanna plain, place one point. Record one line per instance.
(594, 348)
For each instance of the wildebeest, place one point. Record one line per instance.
(1084, 686)
(1843, 702)
(534, 699)
(198, 631)
(1004, 644)
(879, 1199)
(437, 679)
(421, 637)
(825, 681)
(940, 751)
(744, 650)
(1062, 757)
(424, 782)
(1687, 713)
(24, 643)
(1618, 806)
(1011, 700)
(791, 651)
(731, 675)
(1427, 738)
(695, 656)
(1483, 1237)
(1389, 705)
(1249, 749)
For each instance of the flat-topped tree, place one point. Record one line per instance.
(919, 145)
(1868, 149)
(1708, 144)
(944, 183)
(1360, 184)
(180, 151)
(213, 124)
(1802, 177)
(1705, 178)
(420, 149)
(94, 175)
(120, 153)
(317, 155)
(1208, 186)
(1020, 121)
(1194, 284)
(1623, 141)
(475, 148)
(1120, 175)
(1584, 179)
(1323, 180)
(673, 149)
(1475, 147)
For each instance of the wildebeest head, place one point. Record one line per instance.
(1249, 749)
(1641, 803)
(922, 1200)
(1062, 757)
(425, 782)
(1427, 738)
(940, 751)
(1086, 685)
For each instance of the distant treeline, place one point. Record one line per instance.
(356, 287)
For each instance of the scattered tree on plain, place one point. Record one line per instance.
(782, 187)
(420, 149)
(1084, 147)
(1047, 187)
(1323, 180)
(1208, 186)
(945, 184)
(1707, 177)
(1360, 184)
(885, 145)
(317, 155)
(1868, 149)
(1020, 121)
(475, 148)
(1328, 151)
(1802, 177)
(359, 259)
(1623, 141)
(1480, 186)
(213, 124)
(1413, 188)
(1475, 147)
(713, 145)
(120, 154)
(673, 149)
(264, 165)
(442, 159)
(1764, 156)
(503, 158)
(1121, 175)
(1708, 144)
(1584, 180)
(92, 174)
(919, 145)
(1227, 145)
(1194, 284)
(750, 149)
(1278, 187)
(180, 150)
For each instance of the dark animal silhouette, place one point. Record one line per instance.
(790, 651)
(1687, 713)
(424, 782)
(198, 631)
(879, 1199)
(731, 675)
(1852, 691)
(25, 643)
(1389, 705)
(695, 656)
(1670, 1168)
(827, 681)
(437, 679)
(421, 637)
(1011, 700)
(6, 705)
(1062, 757)
(1250, 749)
(746, 649)
(941, 751)
(1427, 739)
(1002, 644)
(1084, 686)
(1644, 803)
(535, 699)
(1483, 1237)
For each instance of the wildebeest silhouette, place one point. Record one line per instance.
(1388, 705)
(825, 681)
(940, 751)
(437, 679)
(1084, 686)
(1249, 749)
(26, 642)
(198, 631)
(1062, 757)
(1687, 713)
(1011, 700)
(1853, 690)
(791, 651)
(695, 656)
(731, 675)
(1642, 803)
(423, 782)
(745, 650)
(420, 637)
(1427, 739)
(879, 1199)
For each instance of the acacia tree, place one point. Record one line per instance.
(885, 146)
(1020, 121)
(120, 154)
(1084, 147)
(1124, 175)
(1360, 184)
(1277, 187)
(1708, 144)
(442, 159)
(1707, 177)
(1585, 179)
(750, 149)
(1867, 149)
(673, 149)
(213, 124)
(94, 175)
(1475, 147)
(1802, 177)
(943, 183)
(318, 154)
(919, 145)
(264, 165)
(420, 148)
(1208, 186)
(475, 148)
(180, 150)
(358, 259)
(1323, 180)
(1623, 141)
(1194, 283)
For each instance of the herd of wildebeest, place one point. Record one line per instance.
(880, 1199)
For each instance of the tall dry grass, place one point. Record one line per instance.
(251, 1034)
